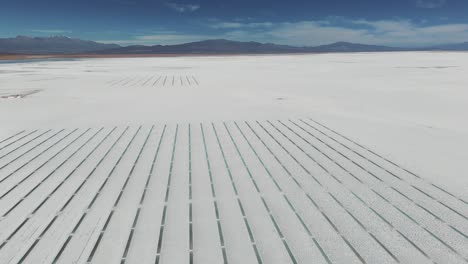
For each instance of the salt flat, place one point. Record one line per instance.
(333, 158)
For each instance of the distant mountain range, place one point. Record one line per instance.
(352, 47)
(222, 46)
(454, 47)
(65, 45)
(50, 45)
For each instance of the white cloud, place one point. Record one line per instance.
(385, 25)
(405, 32)
(381, 32)
(307, 33)
(430, 3)
(182, 8)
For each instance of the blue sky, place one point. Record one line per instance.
(294, 22)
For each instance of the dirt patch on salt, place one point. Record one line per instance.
(17, 94)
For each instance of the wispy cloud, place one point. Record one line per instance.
(183, 8)
(430, 4)
(161, 38)
(173, 38)
(230, 25)
(125, 2)
(51, 31)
